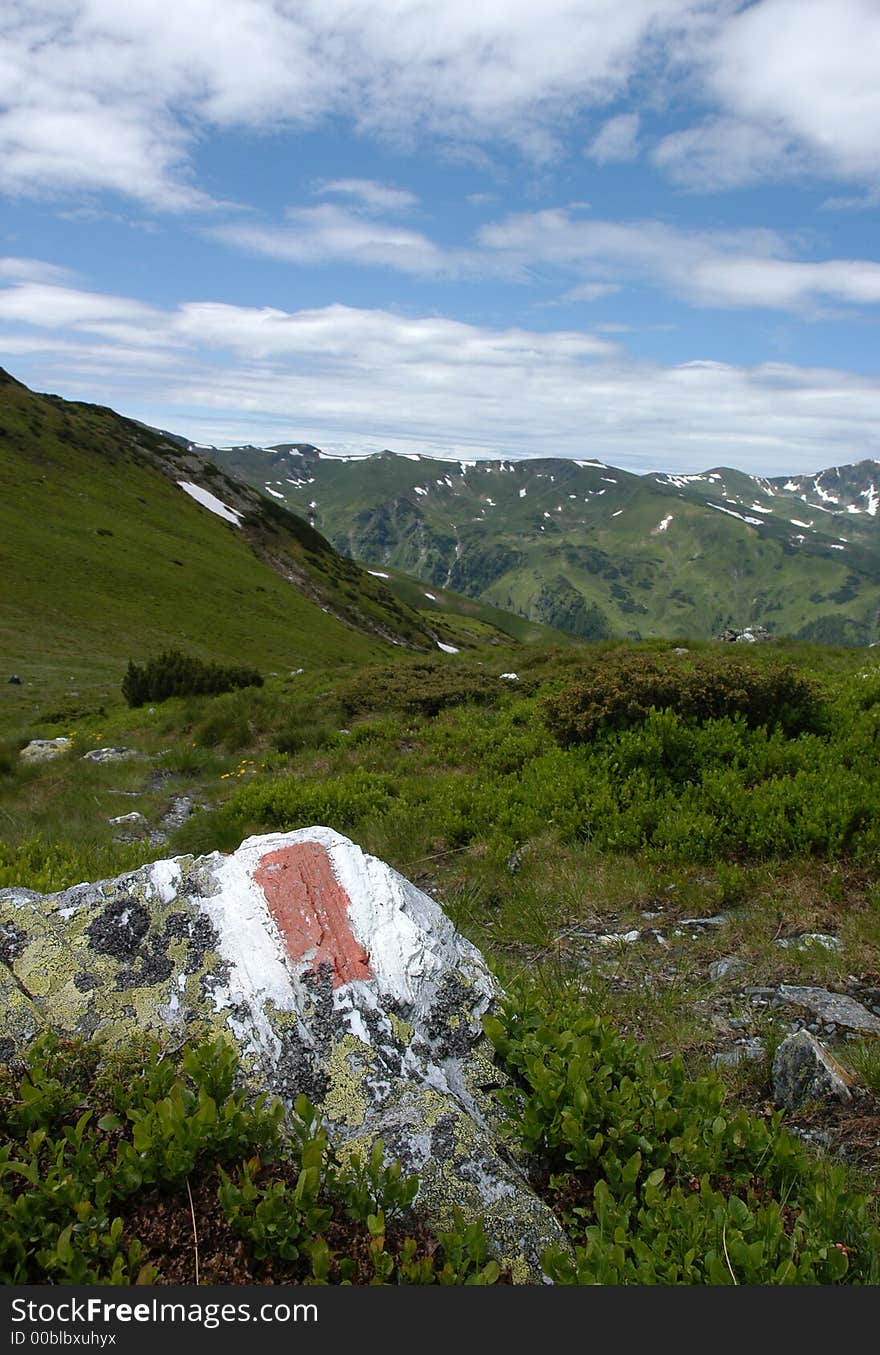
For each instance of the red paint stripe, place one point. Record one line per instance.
(310, 908)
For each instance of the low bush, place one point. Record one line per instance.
(624, 687)
(175, 673)
(423, 688)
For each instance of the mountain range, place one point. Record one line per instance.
(597, 551)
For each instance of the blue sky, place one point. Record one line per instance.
(639, 230)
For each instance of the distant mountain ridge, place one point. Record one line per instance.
(599, 551)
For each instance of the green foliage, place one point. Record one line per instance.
(656, 1180)
(174, 673)
(50, 866)
(422, 688)
(622, 690)
(289, 802)
(82, 1134)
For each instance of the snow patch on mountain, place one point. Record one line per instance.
(211, 502)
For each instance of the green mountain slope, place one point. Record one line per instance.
(106, 557)
(597, 551)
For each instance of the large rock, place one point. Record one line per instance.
(835, 1009)
(335, 977)
(41, 750)
(804, 1070)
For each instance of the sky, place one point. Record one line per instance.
(644, 231)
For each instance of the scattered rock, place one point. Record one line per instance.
(728, 964)
(834, 1008)
(108, 754)
(15, 680)
(180, 810)
(133, 817)
(41, 750)
(807, 939)
(616, 938)
(511, 677)
(717, 921)
(804, 1070)
(334, 976)
(748, 635)
(680, 650)
(743, 1051)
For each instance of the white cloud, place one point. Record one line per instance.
(725, 152)
(729, 269)
(795, 88)
(370, 195)
(617, 140)
(332, 233)
(340, 375)
(101, 95)
(591, 291)
(33, 270)
(105, 96)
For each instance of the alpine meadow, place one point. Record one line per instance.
(439, 714)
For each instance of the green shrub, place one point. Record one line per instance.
(82, 1136)
(624, 687)
(174, 673)
(423, 688)
(656, 1180)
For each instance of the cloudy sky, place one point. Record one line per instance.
(640, 230)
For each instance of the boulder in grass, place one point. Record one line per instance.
(804, 1070)
(334, 976)
(43, 750)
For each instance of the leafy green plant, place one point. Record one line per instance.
(83, 1135)
(656, 1180)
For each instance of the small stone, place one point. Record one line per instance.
(15, 680)
(617, 938)
(744, 1051)
(133, 817)
(804, 1070)
(728, 964)
(807, 939)
(108, 754)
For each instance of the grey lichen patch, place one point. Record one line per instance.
(459, 1167)
(297, 1070)
(13, 939)
(451, 1025)
(113, 959)
(119, 929)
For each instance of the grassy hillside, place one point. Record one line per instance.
(105, 557)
